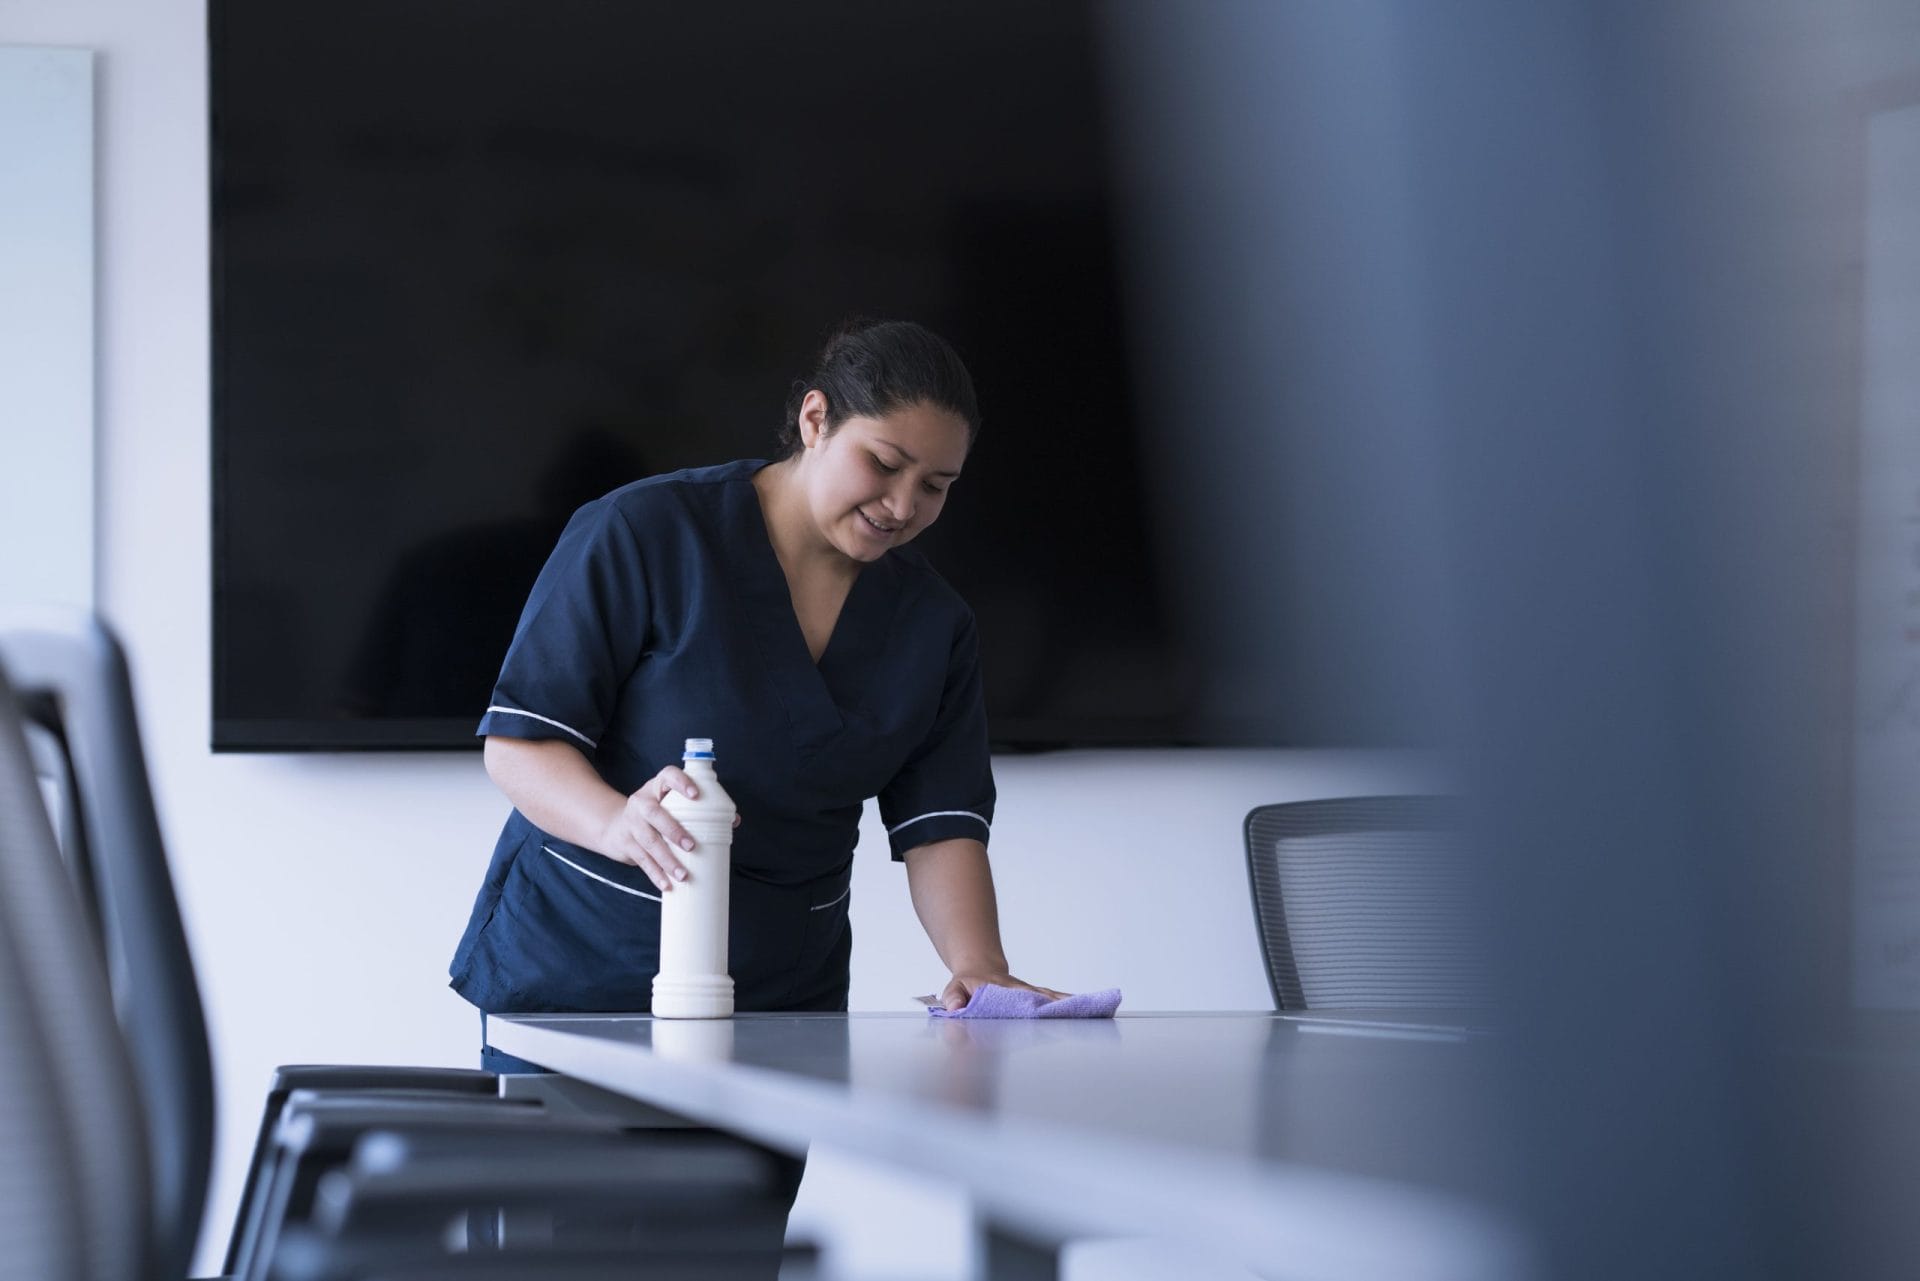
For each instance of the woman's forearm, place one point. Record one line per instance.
(555, 787)
(952, 887)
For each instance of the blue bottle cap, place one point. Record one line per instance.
(699, 749)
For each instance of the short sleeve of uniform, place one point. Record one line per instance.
(945, 789)
(580, 635)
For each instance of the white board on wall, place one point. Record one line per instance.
(46, 326)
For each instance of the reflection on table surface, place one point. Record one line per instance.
(1399, 1094)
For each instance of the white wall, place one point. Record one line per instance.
(324, 893)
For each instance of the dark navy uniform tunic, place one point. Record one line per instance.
(662, 615)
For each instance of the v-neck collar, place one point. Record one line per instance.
(814, 694)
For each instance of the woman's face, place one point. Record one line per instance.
(875, 483)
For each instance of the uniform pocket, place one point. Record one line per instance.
(589, 873)
(567, 938)
(787, 941)
(836, 901)
(822, 981)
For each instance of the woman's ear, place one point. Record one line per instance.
(812, 421)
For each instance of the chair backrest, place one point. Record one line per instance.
(1364, 903)
(74, 1172)
(71, 677)
(40, 1221)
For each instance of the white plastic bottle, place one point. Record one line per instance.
(693, 982)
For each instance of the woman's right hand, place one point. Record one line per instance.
(644, 834)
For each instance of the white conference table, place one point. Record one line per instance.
(1351, 1147)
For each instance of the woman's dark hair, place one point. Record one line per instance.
(873, 367)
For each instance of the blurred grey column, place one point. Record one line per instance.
(1503, 346)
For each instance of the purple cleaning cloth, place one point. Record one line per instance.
(991, 1002)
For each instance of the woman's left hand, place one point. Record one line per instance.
(959, 990)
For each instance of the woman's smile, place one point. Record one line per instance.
(877, 528)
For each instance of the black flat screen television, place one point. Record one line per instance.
(477, 262)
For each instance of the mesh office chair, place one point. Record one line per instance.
(1364, 903)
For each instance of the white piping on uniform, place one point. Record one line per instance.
(624, 889)
(943, 814)
(546, 720)
(824, 906)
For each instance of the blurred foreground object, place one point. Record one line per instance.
(1516, 354)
